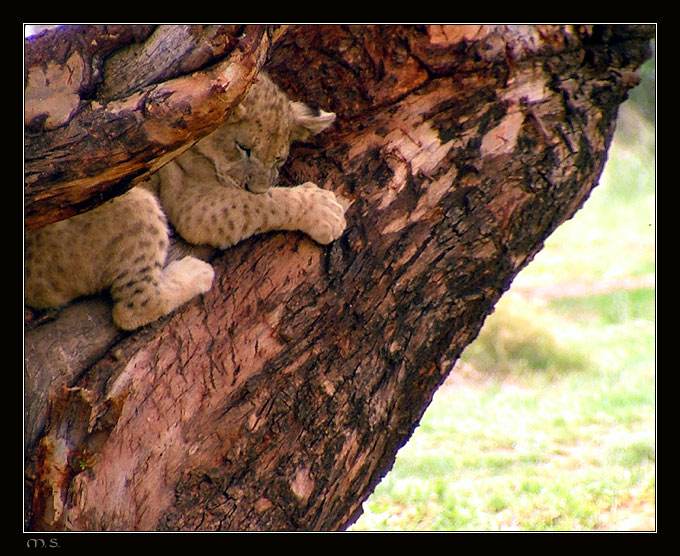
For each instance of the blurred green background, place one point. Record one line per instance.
(548, 420)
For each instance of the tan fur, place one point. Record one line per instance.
(219, 192)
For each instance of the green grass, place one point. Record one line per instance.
(548, 421)
(617, 307)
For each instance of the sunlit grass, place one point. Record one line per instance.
(529, 453)
(548, 421)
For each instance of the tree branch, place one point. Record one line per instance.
(91, 133)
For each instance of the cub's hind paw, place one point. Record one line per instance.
(192, 275)
(180, 281)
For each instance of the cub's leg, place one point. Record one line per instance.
(144, 295)
(143, 291)
(221, 216)
(120, 246)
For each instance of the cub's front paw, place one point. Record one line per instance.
(324, 219)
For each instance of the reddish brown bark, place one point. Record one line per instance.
(278, 400)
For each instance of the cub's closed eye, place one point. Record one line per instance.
(243, 149)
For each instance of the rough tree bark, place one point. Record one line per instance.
(278, 400)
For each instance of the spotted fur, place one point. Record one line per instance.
(219, 192)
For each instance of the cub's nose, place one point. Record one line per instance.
(257, 185)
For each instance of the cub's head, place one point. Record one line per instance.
(256, 139)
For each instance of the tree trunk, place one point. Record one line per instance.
(278, 400)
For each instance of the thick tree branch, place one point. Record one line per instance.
(92, 133)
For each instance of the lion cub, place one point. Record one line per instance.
(218, 192)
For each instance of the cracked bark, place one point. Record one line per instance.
(278, 400)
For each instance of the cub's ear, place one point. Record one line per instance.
(309, 121)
